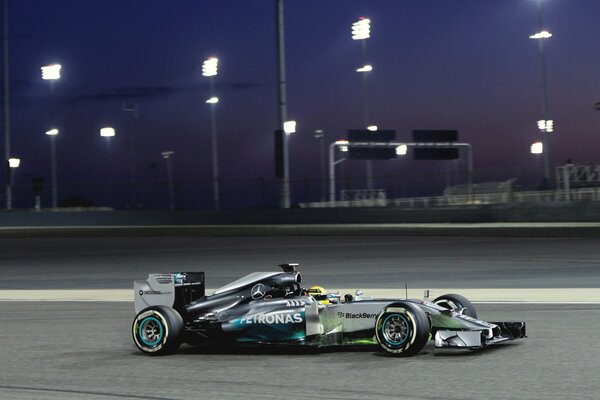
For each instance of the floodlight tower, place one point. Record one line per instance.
(51, 73)
(209, 69)
(108, 133)
(282, 135)
(13, 164)
(544, 125)
(53, 133)
(361, 31)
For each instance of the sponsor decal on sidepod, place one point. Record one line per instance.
(295, 318)
(357, 315)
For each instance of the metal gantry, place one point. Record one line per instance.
(401, 149)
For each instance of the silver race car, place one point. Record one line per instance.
(272, 308)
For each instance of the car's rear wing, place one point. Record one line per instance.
(174, 289)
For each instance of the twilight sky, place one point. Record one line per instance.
(438, 64)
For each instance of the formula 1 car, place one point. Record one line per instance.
(267, 308)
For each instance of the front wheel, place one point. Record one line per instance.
(456, 301)
(402, 329)
(157, 330)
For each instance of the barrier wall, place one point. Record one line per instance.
(574, 212)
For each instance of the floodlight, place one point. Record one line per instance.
(537, 148)
(51, 72)
(107, 132)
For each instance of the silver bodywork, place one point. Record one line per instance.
(248, 279)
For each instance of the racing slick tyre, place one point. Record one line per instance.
(157, 330)
(402, 329)
(454, 301)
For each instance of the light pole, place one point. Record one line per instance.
(284, 195)
(107, 133)
(167, 156)
(209, 69)
(53, 133)
(319, 134)
(51, 73)
(6, 108)
(13, 163)
(133, 109)
(541, 36)
(537, 149)
(361, 31)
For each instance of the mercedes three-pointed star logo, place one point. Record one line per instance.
(258, 291)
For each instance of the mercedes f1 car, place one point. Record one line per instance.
(273, 308)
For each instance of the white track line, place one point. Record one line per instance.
(488, 296)
(475, 225)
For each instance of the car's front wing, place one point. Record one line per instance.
(501, 332)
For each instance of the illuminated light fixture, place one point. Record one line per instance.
(107, 132)
(537, 148)
(213, 100)
(365, 68)
(361, 29)
(372, 128)
(546, 125)
(401, 150)
(343, 145)
(51, 72)
(541, 35)
(14, 162)
(52, 132)
(209, 66)
(289, 127)
(167, 154)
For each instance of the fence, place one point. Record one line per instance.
(402, 190)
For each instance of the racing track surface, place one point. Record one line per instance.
(83, 350)
(330, 261)
(53, 351)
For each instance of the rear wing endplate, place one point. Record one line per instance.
(169, 289)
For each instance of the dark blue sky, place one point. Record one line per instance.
(461, 64)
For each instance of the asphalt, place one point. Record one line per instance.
(330, 261)
(76, 350)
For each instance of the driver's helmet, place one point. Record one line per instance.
(319, 294)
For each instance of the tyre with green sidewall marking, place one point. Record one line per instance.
(157, 330)
(402, 329)
(453, 301)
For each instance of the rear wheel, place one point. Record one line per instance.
(456, 301)
(402, 329)
(157, 330)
